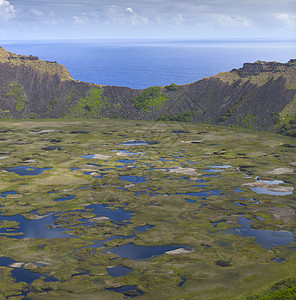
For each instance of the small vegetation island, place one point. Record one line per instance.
(173, 192)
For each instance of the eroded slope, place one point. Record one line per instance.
(258, 96)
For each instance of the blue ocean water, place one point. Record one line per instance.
(143, 63)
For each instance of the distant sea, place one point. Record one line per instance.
(142, 63)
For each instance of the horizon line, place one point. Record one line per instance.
(160, 39)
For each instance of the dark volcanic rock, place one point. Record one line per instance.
(223, 263)
(251, 97)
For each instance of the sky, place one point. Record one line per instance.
(134, 19)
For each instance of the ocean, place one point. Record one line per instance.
(142, 63)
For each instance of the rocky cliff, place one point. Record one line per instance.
(260, 95)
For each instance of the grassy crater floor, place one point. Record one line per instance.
(113, 209)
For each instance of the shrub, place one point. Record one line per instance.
(284, 290)
(291, 133)
(32, 116)
(149, 99)
(173, 87)
(248, 122)
(91, 106)
(16, 91)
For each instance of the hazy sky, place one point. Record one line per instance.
(95, 19)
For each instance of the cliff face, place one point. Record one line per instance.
(259, 95)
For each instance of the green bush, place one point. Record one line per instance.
(32, 116)
(117, 105)
(91, 106)
(287, 125)
(248, 122)
(283, 290)
(173, 87)
(149, 99)
(16, 91)
(291, 133)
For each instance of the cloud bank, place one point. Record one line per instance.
(150, 18)
(7, 11)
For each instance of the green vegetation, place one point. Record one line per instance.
(117, 105)
(91, 106)
(32, 116)
(287, 124)
(16, 91)
(179, 201)
(247, 122)
(283, 290)
(183, 117)
(53, 102)
(5, 114)
(149, 99)
(172, 87)
(291, 132)
(289, 109)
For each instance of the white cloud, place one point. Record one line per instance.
(129, 9)
(136, 19)
(288, 19)
(85, 19)
(52, 19)
(80, 20)
(36, 16)
(178, 20)
(165, 18)
(7, 11)
(36, 12)
(226, 20)
(116, 15)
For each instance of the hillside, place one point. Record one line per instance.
(260, 95)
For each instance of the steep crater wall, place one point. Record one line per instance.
(253, 96)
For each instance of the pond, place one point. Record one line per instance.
(43, 227)
(265, 238)
(190, 200)
(214, 169)
(5, 194)
(27, 171)
(33, 228)
(101, 243)
(126, 161)
(64, 198)
(183, 280)
(273, 190)
(278, 259)
(129, 291)
(118, 215)
(133, 179)
(88, 156)
(23, 275)
(118, 271)
(131, 251)
(143, 228)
